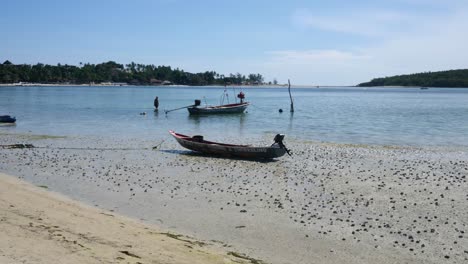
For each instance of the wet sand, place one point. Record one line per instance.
(329, 203)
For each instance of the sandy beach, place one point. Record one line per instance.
(328, 203)
(39, 226)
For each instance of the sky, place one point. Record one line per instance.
(311, 42)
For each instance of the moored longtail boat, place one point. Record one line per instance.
(198, 144)
(197, 109)
(219, 109)
(7, 119)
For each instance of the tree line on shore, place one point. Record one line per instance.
(136, 74)
(451, 78)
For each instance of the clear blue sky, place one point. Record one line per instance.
(310, 42)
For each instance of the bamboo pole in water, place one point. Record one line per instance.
(290, 97)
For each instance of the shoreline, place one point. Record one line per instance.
(272, 86)
(25, 136)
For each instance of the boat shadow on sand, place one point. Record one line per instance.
(189, 153)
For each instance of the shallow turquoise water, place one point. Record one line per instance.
(395, 116)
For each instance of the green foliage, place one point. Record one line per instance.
(452, 78)
(137, 74)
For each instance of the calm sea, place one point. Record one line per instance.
(384, 116)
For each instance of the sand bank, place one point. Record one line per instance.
(39, 226)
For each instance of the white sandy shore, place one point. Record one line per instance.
(278, 86)
(329, 203)
(39, 226)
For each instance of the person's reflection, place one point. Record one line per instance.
(242, 118)
(290, 125)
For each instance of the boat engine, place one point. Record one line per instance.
(241, 96)
(197, 102)
(279, 140)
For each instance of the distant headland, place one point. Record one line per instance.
(447, 79)
(112, 73)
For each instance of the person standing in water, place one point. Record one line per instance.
(156, 103)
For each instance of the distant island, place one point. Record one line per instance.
(451, 78)
(117, 74)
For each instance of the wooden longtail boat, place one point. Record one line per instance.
(197, 109)
(198, 144)
(220, 109)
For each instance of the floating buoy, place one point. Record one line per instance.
(280, 110)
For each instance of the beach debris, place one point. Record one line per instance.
(159, 145)
(107, 214)
(21, 146)
(129, 254)
(187, 239)
(242, 256)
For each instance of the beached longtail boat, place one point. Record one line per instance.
(198, 144)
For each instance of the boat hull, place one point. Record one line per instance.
(221, 109)
(228, 150)
(7, 119)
